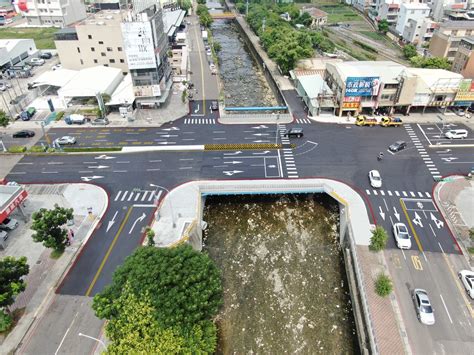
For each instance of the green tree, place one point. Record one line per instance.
(217, 46)
(409, 51)
(430, 63)
(201, 10)
(241, 7)
(185, 4)
(205, 20)
(150, 234)
(379, 238)
(201, 2)
(304, 19)
(184, 285)
(49, 227)
(11, 284)
(4, 119)
(383, 26)
(383, 285)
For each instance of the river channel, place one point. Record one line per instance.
(241, 79)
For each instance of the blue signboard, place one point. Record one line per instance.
(365, 86)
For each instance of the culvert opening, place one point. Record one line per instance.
(285, 284)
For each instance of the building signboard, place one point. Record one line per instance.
(465, 91)
(354, 105)
(138, 45)
(351, 98)
(363, 86)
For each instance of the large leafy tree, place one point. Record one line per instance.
(11, 284)
(383, 26)
(409, 51)
(184, 285)
(49, 227)
(4, 119)
(431, 62)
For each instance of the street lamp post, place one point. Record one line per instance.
(97, 340)
(276, 134)
(171, 205)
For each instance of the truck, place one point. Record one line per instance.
(363, 120)
(391, 121)
(204, 36)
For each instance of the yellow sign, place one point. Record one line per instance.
(465, 91)
(351, 105)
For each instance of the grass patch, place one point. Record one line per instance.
(340, 13)
(375, 36)
(43, 37)
(16, 315)
(37, 149)
(16, 149)
(91, 149)
(56, 254)
(365, 46)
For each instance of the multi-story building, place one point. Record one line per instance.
(447, 37)
(59, 13)
(464, 59)
(411, 13)
(388, 10)
(419, 31)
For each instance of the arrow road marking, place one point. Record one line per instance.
(171, 129)
(89, 178)
(397, 215)
(98, 167)
(111, 223)
(261, 141)
(236, 153)
(168, 135)
(139, 219)
(197, 109)
(443, 151)
(449, 159)
(381, 213)
(261, 134)
(261, 126)
(438, 223)
(106, 157)
(417, 220)
(230, 173)
(261, 153)
(233, 162)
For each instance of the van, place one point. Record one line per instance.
(75, 119)
(456, 134)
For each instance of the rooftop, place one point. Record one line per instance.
(387, 71)
(314, 12)
(104, 18)
(10, 43)
(457, 25)
(434, 80)
(415, 6)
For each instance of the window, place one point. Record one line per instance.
(109, 49)
(101, 42)
(102, 54)
(82, 62)
(89, 36)
(454, 33)
(122, 61)
(95, 61)
(106, 65)
(468, 32)
(111, 60)
(78, 50)
(92, 49)
(119, 49)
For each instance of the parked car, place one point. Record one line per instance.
(101, 121)
(56, 67)
(9, 224)
(375, 179)
(46, 55)
(294, 132)
(65, 140)
(467, 278)
(3, 238)
(397, 146)
(214, 105)
(28, 113)
(459, 111)
(456, 134)
(75, 119)
(36, 61)
(402, 237)
(424, 310)
(24, 134)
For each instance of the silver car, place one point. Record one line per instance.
(66, 140)
(424, 310)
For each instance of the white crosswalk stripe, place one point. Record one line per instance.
(389, 193)
(201, 121)
(124, 196)
(397, 193)
(368, 192)
(382, 192)
(118, 195)
(303, 120)
(140, 196)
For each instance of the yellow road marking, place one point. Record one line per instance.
(411, 225)
(415, 259)
(460, 287)
(94, 280)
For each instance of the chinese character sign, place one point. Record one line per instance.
(366, 86)
(138, 45)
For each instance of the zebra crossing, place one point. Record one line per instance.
(202, 121)
(138, 196)
(411, 194)
(422, 151)
(303, 121)
(288, 157)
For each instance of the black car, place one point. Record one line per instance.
(46, 55)
(294, 132)
(24, 134)
(397, 146)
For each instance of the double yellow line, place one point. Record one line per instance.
(404, 208)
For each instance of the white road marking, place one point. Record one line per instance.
(119, 171)
(186, 159)
(420, 194)
(65, 334)
(49, 172)
(382, 192)
(118, 195)
(446, 308)
(403, 253)
(375, 192)
(404, 194)
(432, 230)
(385, 203)
(17, 173)
(124, 196)
(427, 194)
(137, 197)
(153, 169)
(185, 168)
(145, 193)
(397, 193)
(131, 196)
(55, 163)
(24, 164)
(85, 171)
(389, 193)
(123, 162)
(154, 161)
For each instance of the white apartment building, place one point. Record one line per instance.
(419, 31)
(388, 10)
(410, 13)
(59, 13)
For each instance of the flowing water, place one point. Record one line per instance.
(285, 287)
(243, 82)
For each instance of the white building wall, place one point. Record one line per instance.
(416, 12)
(55, 12)
(9, 53)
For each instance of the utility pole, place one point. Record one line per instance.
(247, 8)
(263, 24)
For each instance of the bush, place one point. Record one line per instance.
(37, 149)
(383, 285)
(59, 115)
(379, 239)
(5, 321)
(470, 250)
(16, 149)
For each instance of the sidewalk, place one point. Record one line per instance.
(46, 273)
(455, 199)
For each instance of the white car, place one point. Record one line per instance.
(424, 311)
(56, 67)
(9, 224)
(456, 134)
(375, 179)
(66, 140)
(37, 61)
(467, 278)
(402, 237)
